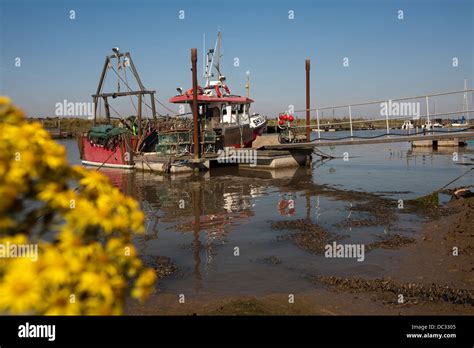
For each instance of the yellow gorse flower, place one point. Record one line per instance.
(86, 263)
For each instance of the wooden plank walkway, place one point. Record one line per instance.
(382, 140)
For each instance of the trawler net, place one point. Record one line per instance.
(106, 136)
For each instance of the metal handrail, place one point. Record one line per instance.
(387, 119)
(385, 100)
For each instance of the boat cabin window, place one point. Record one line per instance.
(244, 115)
(227, 114)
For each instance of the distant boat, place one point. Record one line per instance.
(431, 125)
(407, 125)
(460, 122)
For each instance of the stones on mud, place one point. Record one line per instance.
(411, 291)
(310, 236)
(393, 241)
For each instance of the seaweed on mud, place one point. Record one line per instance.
(393, 241)
(381, 213)
(163, 265)
(428, 201)
(269, 260)
(411, 292)
(310, 236)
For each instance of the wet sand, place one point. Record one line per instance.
(431, 279)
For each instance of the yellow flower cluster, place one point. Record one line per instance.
(81, 224)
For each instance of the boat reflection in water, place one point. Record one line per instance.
(217, 228)
(198, 213)
(199, 220)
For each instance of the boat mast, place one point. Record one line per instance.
(210, 62)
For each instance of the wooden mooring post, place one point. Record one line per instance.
(195, 105)
(308, 103)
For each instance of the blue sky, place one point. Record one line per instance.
(388, 58)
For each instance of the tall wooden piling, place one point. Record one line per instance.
(308, 103)
(195, 105)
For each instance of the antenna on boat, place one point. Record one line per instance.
(204, 69)
(116, 50)
(247, 85)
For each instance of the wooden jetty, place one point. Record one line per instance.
(451, 137)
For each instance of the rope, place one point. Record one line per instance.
(322, 154)
(163, 105)
(129, 89)
(154, 97)
(103, 163)
(126, 79)
(459, 177)
(113, 109)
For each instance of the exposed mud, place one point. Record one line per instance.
(439, 267)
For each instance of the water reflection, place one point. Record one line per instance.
(286, 204)
(197, 220)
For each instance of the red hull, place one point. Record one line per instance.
(256, 133)
(93, 154)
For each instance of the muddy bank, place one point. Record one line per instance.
(400, 294)
(438, 268)
(445, 253)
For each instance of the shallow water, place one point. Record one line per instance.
(199, 220)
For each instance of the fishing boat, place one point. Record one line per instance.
(113, 144)
(221, 111)
(224, 118)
